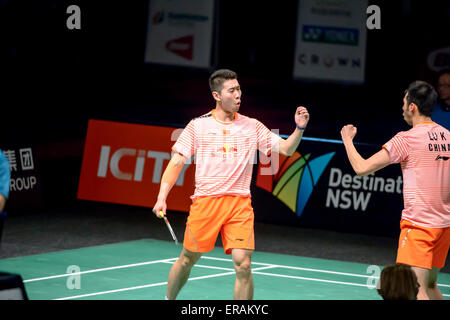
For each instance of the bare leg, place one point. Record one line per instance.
(179, 273)
(434, 293)
(243, 288)
(427, 279)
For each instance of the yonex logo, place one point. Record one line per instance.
(330, 35)
(295, 181)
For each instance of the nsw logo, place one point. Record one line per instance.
(293, 184)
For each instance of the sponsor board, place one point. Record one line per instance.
(123, 163)
(25, 182)
(180, 33)
(317, 187)
(331, 41)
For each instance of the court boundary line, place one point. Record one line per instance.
(300, 268)
(230, 271)
(168, 260)
(310, 269)
(149, 285)
(99, 270)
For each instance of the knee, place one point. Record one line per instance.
(243, 268)
(187, 261)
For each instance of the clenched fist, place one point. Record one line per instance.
(301, 117)
(348, 132)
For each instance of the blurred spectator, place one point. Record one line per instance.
(5, 176)
(441, 112)
(398, 282)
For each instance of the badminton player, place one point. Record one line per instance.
(424, 155)
(223, 143)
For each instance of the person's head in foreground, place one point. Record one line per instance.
(419, 101)
(398, 282)
(443, 88)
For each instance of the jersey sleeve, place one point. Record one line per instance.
(185, 144)
(5, 175)
(397, 148)
(266, 139)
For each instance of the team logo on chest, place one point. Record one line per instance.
(228, 148)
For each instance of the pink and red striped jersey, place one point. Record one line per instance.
(224, 153)
(424, 155)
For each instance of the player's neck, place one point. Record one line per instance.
(223, 116)
(420, 119)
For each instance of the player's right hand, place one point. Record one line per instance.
(160, 206)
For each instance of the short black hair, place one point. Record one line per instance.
(423, 95)
(442, 72)
(398, 282)
(217, 79)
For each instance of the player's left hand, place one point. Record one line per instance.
(301, 117)
(348, 132)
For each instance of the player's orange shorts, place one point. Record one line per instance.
(422, 247)
(232, 216)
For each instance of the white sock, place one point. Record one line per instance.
(165, 298)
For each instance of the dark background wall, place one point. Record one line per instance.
(55, 79)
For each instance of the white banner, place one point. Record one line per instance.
(331, 40)
(180, 32)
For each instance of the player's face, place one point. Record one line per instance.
(407, 115)
(230, 96)
(444, 87)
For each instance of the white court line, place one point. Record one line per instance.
(308, 269)
(99, 270)
(112, 291)
(309, 279)
(231, 271)
(152, 285)
(204, 257)
(203, 266)
(299, 268)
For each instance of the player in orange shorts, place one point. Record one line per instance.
(424, 155)
(224, 144)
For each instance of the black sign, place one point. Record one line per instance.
(25, 184)
(318, 188)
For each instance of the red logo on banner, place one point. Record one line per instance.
(182, 47)
(123, 163)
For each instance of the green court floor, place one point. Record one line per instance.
(138, 270)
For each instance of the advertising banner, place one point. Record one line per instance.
(317, 187)
(123, 163)
(180, 33)
(331, 41)
(25, 184)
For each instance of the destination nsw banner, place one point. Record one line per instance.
(317, 187)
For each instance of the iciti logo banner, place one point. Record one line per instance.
(295, 180)
(123, 163)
